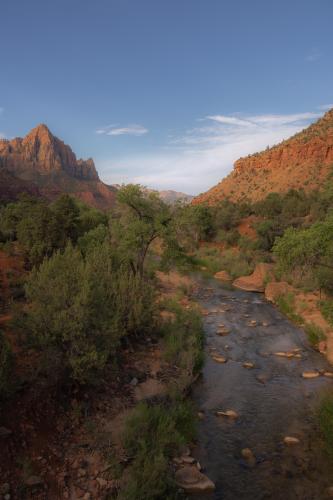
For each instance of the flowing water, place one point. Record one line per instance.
(272, 400)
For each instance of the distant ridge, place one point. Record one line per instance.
(303, 161)
(42, 164)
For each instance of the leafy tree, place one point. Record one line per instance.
(310, 250)
(143, 217)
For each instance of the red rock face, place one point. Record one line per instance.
(304, 161)
(41, 163)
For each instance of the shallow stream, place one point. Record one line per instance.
(272, 400)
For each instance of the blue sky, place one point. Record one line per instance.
(167, 93)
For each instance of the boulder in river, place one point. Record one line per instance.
(191, 480)
(255, 282)
(227, 413)
(310, 374)
(248, 364)
(219, 358)
(223, 276)
(249, 457)
(290, 440)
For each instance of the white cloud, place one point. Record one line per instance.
(114, 130)
(200, 157)
(325, 107)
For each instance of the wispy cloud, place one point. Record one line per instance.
(114, 130)
(313, 55)
(325, 107)
(198, 158)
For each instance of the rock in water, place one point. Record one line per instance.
(191, 480)
(248, 364)
(249, 457)
(227, 413)
(219, 359)
(291, 440)
(310, 374)
(223, 276)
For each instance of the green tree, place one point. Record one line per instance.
(143, 217)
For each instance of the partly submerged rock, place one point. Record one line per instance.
(219, 359)
(310, 374)
(248, 364)
(227, 413)
(249, 457)
(191, 480)
(223, 276)
(290, 440)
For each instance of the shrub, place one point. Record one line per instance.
(183, 342)
(325, 416)
(80, 309)
(153, 435)
(314, 332)
(286, 304)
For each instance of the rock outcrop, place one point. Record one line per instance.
(42, 164)
(303, 161)
(274, 290)
(256, 281)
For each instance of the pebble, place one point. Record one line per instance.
(291, 440)
(219, 359)
(310, 374)
(248, 364)
(227, 413)
(328, 374)
(248, 455)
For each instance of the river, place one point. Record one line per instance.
(272, 400)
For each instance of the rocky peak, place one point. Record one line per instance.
(40, 152)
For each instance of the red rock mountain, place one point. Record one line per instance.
(42, 164)
(303, 161)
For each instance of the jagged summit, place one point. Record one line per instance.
(303, 161)
(52, 167)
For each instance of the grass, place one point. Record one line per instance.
(286, 304)
(183, 342)
(325, 417)
(326, 308)
(236, 263)
(315, 333)
(153, 435)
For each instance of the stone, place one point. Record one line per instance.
(134, 381)
(191, 480)
(219, 359)
(223, 276)
(248, 456)
(227, 413)
(330, 491)
(290, 440)
(248, 364)
(328, 374)
(310, 374)
(7, 496)
(187, 459)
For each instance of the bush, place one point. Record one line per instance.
(325, 416)
(286, 304)
(326, 308)
(183, 342)
(153, 435)
(314, 332)
(80, 309)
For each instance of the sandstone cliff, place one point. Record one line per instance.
(303, 161)
(40, 163)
